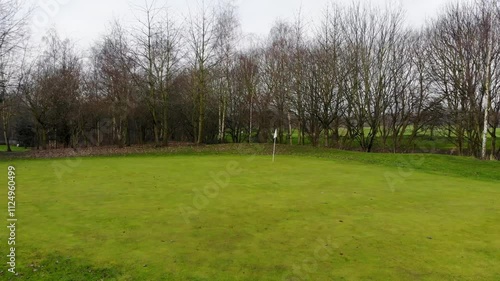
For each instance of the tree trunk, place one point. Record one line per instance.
(493, 144)
(156, 130)
(487, 84)
(98, 133)
(201, 118)
(251, 120)
(303, 134)
(127, 132)
(5, 130)
(327, 136)
(223, 120)
(165, 125)
(219, 137)
(7, 141)
(44, 138)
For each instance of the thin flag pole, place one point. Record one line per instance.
(274, 146)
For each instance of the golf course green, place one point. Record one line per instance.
(192, 216)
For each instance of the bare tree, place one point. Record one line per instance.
(298, 68)
(51, 90)
(156, 52)
(461, 42)
(401, 97)
(226, 38)
(7, 99)
(12, 26)
(326, 60)
(12, 34)
(202, 42)
(277, 74)
(488, 37)
(249, 67)
(115, 66)
(370, 35)
(495, 87)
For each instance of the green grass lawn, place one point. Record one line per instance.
(439, 141)
(312, 215)
(13, 148)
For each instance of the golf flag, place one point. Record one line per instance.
(275, 137)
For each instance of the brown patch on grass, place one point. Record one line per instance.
(172, 148)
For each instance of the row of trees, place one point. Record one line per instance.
(358, 79)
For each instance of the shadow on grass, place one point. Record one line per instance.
(58, 267)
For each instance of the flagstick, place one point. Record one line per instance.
(274, 146)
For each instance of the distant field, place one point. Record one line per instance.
(312, 215)
(439, 141)
(12, 147)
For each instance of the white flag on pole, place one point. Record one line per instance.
(274, 146)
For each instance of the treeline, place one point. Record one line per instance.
(357, 79)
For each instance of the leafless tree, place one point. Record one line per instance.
(202, 41)
(326, 56)
(370, 35)
(226, 39)
(156, 52)
(277, 75)
(462, 45)
(52, 92)
(115, 66)
(13, 34)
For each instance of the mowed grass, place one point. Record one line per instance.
(241, 217)
(14, 148)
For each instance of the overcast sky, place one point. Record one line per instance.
(85, 20)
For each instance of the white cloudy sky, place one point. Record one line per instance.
(84, 20)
